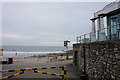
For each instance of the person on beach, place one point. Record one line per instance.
(61, 55)
(16, 53)
(34, 55)
(55, 57)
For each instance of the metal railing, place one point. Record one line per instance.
(109, 33)
(63, 74)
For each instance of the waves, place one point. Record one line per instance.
(20, 53)
(26, 54)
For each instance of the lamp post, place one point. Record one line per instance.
(66, 46)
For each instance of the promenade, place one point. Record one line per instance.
(72, 72)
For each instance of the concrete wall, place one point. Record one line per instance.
(101, 59)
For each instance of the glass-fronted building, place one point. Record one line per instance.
(105, 24)
(110, 14)
(114, 23)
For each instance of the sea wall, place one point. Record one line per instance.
(100, 60)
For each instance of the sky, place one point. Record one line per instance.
(45, 23)
(57, 0)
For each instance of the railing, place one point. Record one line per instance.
(36, 70)
(109, 33)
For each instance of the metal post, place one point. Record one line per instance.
(64, 76)
(90, 37)
(77, 39)
(80, 39)
(84, 39)
(66, 46)
(66, 52)
(63, 73)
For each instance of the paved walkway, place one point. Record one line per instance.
(72, 71)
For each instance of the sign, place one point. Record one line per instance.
(66, 43)
(1, 49)
(1, 52)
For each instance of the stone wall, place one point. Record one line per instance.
(101, 60)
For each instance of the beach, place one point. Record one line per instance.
(24, 53)
(37, 59)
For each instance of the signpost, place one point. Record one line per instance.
(66, 46)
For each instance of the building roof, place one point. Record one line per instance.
(107, 9)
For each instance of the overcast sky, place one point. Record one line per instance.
(46, 23)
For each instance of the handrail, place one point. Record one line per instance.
(97, 34)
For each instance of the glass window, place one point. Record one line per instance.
(114, 21)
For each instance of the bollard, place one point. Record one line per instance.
(10, 60)
(64, 75)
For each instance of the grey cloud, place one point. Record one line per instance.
(47, 22)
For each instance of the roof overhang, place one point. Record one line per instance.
(108, 9)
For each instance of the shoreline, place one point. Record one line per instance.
(43, 58)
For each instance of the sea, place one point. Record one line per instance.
(27, 51)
